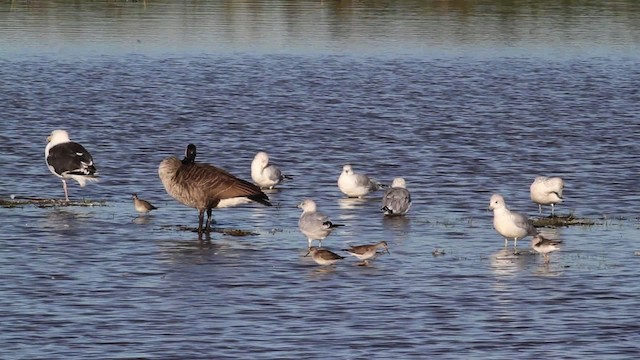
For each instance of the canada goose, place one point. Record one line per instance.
(142, 206)
(396, 199)
(204, 187)
(547, 191)
(356, 185)
(510, 224)
(266, 175)
(68, 160)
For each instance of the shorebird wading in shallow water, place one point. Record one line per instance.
(204, 187)
(323, 256)
(367, 252)
(69, 160)
(142, 206)
(547, 191)
(545, 246)
(510, 224)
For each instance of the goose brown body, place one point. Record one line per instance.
(204, 187)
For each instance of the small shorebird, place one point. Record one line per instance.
(545, 246)
(366, 252)
(142, 206)
(356, 185)
(69, 160)
(547, 191)
(264, 174)
(314, 224)
(323, 256)
(396, 199)
(510, 224)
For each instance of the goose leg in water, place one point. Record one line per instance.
(200, 220)
(208, 228)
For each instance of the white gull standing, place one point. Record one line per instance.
(69, 160)
(266, 175)
(510, 224)
(547, 191)
(314, 224)
(356, 185)
(396, 199)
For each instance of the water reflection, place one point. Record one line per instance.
(505, 263)
(69, 219)
(351, 203)
(141, 219)
(401, 224)
(312, 26)
(549, 270)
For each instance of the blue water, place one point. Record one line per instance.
(459, 114)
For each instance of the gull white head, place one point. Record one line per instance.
(347, 169)
(307, 205)
(262, 158)
(399, 183)
(58, 137)
(496, 202)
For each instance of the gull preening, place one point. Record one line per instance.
(396, 199)
(204, 187)
(323, 256)
(356, 185)
(545, 246)
(314, 224)
(142, 206)
(510, 224)
(547, 191)
(264, 174)
(69, 160)
(367, 252)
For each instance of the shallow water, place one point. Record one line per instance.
(460, 114)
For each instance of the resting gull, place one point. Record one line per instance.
(396, 199)
(314, 224)
(69, 160)
(547, 191)
(356, 185)
(266, 175)
(510, 224)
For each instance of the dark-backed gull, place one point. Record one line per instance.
(69, 160)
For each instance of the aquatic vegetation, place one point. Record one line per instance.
(563, 221)
(46, 203)
(224, 231)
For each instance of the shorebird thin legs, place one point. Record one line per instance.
(540, 209)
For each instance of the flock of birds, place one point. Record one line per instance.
(205, 187)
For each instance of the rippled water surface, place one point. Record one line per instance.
(462, 99)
